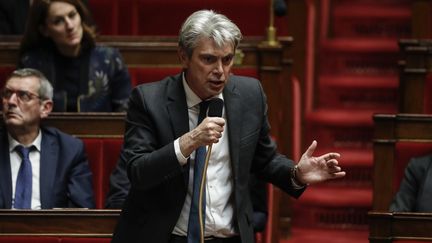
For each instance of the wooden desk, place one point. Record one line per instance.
(385, 227)
(83, 125)
(61, 223)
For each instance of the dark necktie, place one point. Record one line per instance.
(194, 229)
(23, 189)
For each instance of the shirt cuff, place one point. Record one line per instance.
(296, 184)
(180, 157)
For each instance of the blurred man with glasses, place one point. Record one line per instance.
(40, 167)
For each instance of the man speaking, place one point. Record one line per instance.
(189, 178)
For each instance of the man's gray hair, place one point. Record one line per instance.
(208, 24)
(45, 90)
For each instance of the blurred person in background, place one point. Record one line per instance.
(59, 40)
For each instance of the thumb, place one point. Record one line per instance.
(309, 152)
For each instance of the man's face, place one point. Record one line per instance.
(22, 107)
(208, 69)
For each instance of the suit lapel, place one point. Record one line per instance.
(178, 113)
(5, 172)
(48, 168)
(234, 113)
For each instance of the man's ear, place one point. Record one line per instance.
(184, 58)
(46, 108)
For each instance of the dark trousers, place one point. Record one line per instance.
(183, 239)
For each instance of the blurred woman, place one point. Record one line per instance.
(59, 40)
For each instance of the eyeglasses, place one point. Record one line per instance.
(22, 95)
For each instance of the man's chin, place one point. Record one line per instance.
(12, 122)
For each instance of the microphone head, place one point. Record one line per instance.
(279, 7)
(215, 107)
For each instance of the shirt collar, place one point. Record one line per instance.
(191, 98)
(36, 143)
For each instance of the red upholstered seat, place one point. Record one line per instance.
(85, 240)
(103, 154)
(27, 239)
(5, 71)
(111, 149)
(143, 75)
(105, 15)
(94, 150)
(151, 13)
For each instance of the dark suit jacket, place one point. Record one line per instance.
(120, 185)
(415, 192)
(158, 115)
(65, 176)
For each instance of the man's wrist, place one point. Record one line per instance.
(294, 177)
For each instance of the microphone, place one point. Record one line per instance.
(215, 107)
(279, 7)
(214, 110)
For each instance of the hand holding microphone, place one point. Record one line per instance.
(209, 131)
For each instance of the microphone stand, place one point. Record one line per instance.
(201, 192)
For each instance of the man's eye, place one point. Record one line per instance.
(24, 95)
(226, 60)
(209, 59)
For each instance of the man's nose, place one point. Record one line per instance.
(13, 99)
(218, 67)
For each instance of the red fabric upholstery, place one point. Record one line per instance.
(111, 148)
(404, 151)
(5, 71)
(85, 240)
(143, 75)
(250, 72)
(127, 17)
(105, 15)
(94, 152)
(27, 239)
(103, 154)
(151, 13)
(144, 17)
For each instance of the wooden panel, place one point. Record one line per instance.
(69, 222)
(415, 65)
(391, 227)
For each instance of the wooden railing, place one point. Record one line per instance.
(386, 227)
(58, 222)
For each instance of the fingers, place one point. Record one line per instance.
(212, 129)
(309, 152)
(329, 157)
(337, 175)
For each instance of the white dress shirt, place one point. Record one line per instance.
(15, 162)
(219, 186)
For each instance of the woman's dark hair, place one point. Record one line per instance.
(38, 13)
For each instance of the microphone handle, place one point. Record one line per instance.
(202, 194)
